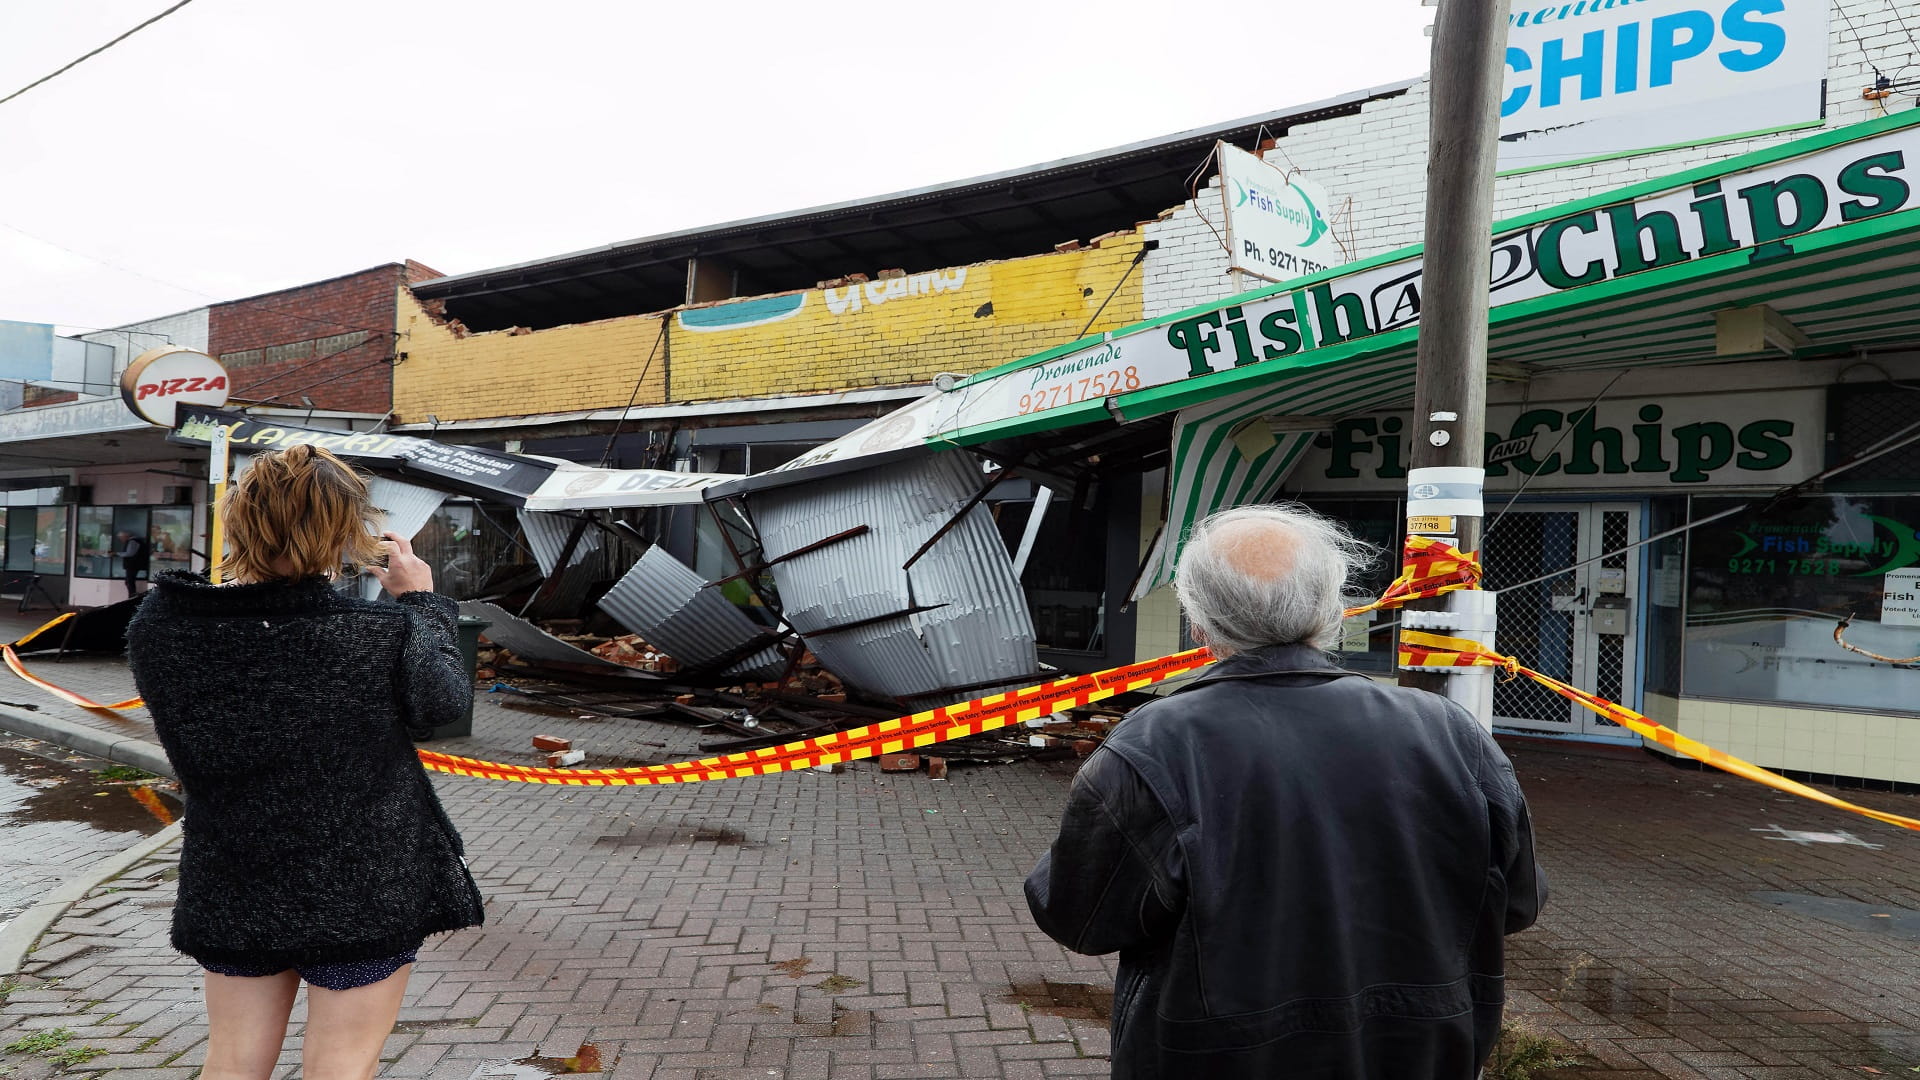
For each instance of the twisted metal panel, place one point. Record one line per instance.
(976, 631)
(669, 605)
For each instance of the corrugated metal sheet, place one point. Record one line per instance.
(547, 535)
(669, 605)
(407, 508)
(529, 642)
(981, 633)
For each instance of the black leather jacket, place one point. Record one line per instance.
(1306, 874)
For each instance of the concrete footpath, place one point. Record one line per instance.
(871, 925)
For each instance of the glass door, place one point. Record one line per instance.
(1580, 625)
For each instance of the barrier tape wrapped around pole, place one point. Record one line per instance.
(1432, 567)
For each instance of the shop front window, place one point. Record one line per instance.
(1066, 573)
(1766, 587)
(170, 531)
(97, 543)
(1366, 643)
(20, 539)
(50, 540)
(94, 542)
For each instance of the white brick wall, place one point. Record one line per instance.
(187, 328)
(1374, 164)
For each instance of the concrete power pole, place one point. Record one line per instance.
(1448, 466)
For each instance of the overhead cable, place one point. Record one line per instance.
(83, 59)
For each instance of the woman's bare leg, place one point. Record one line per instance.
(347, 1028)
(246, 1022)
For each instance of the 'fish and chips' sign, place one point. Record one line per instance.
(1760, 210)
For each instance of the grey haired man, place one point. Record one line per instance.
(1305, 873)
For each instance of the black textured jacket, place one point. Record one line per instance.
(1306, 874)
(312, 834)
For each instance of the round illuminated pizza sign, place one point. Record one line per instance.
(161, 380)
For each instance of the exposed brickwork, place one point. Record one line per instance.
(330, 340)
(887, 332)
(42, 395)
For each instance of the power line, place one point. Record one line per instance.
(70, 66)
(1911, 40)
(254, 304)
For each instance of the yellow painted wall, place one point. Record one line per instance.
(906, 330)
(501, 373)
(881, 333)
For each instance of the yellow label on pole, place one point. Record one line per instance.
(1431, 525)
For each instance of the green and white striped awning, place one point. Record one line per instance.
(1824, 230)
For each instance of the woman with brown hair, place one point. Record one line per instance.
(315, 848)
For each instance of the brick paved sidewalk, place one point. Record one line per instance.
(871, 925)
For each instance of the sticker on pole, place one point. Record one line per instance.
(1445, 491)
(161, 380)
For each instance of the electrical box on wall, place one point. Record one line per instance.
(76, 495)
(176, 495)
(1611, 614)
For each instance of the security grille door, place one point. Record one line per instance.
(1580, 626)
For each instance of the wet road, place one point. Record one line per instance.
(59, 814)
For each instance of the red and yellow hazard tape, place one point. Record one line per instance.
(887, 737)
(1437, 650)
(1432, 567)
(20, 669)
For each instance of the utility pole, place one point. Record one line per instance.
(1448, 466)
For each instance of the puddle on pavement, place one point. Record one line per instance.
(1072, 1001)
(686, 832)
(1621, 997)
(36, 789)
(1870, 918)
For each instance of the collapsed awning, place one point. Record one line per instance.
(533, 483)
(1823, 230)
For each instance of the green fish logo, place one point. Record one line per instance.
(1904, 536)
(1318, 228)
(1243, 195)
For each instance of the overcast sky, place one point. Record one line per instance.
(240, 146)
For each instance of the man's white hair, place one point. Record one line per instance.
(1277, 574)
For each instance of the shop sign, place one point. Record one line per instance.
(456, 468)
(1591, 79)
(1692, 441)
(1276, 220)
(160, 380)
(1760, 208)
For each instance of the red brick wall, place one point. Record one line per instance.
(42, 395)
(331, 341)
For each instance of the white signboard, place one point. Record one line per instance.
(1693, 440)
(1277, 225)
(1900, 598)
(1609, 77)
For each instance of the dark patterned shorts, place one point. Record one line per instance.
(327, 976)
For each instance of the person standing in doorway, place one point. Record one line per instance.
(135, 558)
(1305, 873)
(316, 849)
